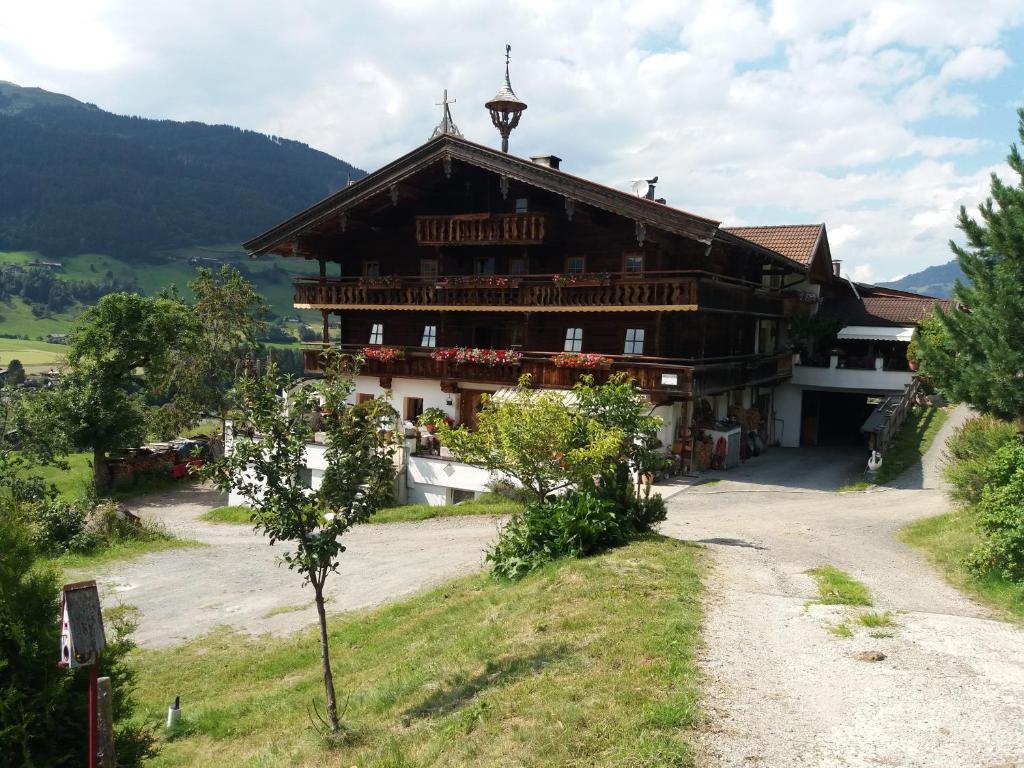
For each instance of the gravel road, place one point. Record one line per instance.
(780, 690)
(235, 581)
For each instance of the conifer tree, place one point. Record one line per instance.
(980, 358)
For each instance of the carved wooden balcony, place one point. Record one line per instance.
(661, 292)
(660, 378)
(481, 229)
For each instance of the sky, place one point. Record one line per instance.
(878, 117)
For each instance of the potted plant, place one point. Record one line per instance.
(430, 418)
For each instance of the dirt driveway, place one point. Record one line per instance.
(235, 581)
(781, 690)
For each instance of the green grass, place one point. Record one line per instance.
(123, 550)
(586, 662)
(30, 353)
(836, 587)
(875, 619)
(842, 629)
(488, 504)
(946, 540)
(234, 515)
(913, 441)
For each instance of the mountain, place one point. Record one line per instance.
(77, 179)
(931, 281)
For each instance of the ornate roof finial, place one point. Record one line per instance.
(447, 125)
(506, 108)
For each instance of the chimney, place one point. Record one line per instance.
(548, 161)
(836, 263)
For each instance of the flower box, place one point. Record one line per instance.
(582, 279)
(384, 354)
(581, 360)
(381, 281)
(474, 356)
(477, 281)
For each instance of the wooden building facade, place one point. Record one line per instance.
(457, 269)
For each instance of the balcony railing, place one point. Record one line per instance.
(481, 229)
(663, 377)
(653, 375)
(687, 290)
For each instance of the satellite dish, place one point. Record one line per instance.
(640, 187)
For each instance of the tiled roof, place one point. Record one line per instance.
(794, 241)
(883, 310)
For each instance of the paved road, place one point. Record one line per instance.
(234, 579)
(781, 690)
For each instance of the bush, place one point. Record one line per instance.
(574, 525)
(61, 527)
(999, 514)
(970, 449)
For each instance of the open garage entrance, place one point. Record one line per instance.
(834, 418)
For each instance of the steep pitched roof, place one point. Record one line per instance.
(797, 242)
(648, 212)
(883, 309)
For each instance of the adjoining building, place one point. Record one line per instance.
(456, 269)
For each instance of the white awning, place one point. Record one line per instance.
(872, 333)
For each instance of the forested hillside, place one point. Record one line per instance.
(932, 281)
(77, 179)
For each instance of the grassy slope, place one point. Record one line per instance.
(946, 541)
(151, 278)
(584, 663)
(913, 441)
(487, 505)
(32, 354)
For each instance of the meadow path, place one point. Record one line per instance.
(234, 580)
(781, 691)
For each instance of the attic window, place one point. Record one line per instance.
(522, 205)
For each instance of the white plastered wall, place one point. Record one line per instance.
(788, 406)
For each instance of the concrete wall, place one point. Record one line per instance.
(851, 379)
(429, 479)
(788, 406)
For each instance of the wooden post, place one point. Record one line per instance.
(323, 267)
(327, 327)
(104, 724)
(93, 717)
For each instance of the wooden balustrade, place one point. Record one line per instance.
(516, 293)
(481, 229)
(658, 378)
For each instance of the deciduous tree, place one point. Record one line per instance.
(267, 461)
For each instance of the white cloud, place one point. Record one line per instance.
(863, 273)
(812, 111)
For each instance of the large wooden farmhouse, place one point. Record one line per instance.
(458, 268)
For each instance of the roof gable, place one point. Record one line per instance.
(797, 242)
(448, 148)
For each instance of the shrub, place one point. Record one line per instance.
(999, 514)
(61, 527)
(574, 525)
(970, 449)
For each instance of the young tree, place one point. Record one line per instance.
(119, 346)
(15, 373)
(229, 315)
(982, 360)
(265, 465)
(534, 437)
(619, 407)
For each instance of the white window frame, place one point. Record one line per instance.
(634, 341)
(573, 340)
(625, 263)
(429, 338)
(377, 334)
(582, 262)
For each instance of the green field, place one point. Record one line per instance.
(34, 355)
(583, 663)
(272, 276)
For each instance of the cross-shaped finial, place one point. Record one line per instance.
(444, 100)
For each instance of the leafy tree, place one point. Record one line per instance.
(228, 314)
(120, 346)
(982, 361)
(533, 437)
(267, 460)
(43, 709)
(15, 373)
(619, 407)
